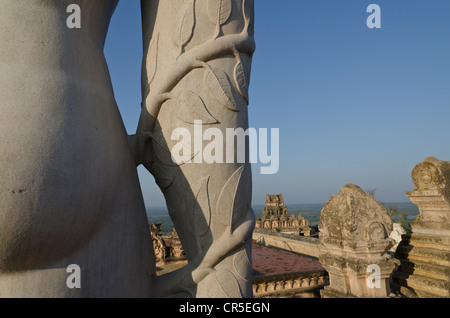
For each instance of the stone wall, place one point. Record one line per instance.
(301, 285)
(295, 243)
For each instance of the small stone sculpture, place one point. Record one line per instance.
(355, 230)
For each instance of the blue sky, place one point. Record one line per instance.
(353, 104)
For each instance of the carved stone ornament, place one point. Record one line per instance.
(355, 221)
(425, 254)
(431, 193)
(355, 230)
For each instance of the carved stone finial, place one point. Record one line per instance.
(355, 230)
(355, 221)
(431, 193)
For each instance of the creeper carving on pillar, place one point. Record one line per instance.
(197, 67)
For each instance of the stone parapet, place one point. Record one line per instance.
(295, 243)
(304, 284)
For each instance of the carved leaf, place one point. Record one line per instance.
(190, 107)
(202, 208)
(241, 81)
(241, 201)
(229, 284)
(152, 59)
(220, 11)
(249, 69)
(220, 88)
(232, 204)
(219, 284)
(242, 264)
(187, 24)
(161, 149)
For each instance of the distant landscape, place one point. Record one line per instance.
(310, 211)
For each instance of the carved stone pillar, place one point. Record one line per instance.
(425, 254)
(195, 80)
(355, 230)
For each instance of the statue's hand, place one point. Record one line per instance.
(138, 144)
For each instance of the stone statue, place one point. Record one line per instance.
(69, 191)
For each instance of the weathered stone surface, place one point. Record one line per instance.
(355, 231)
(425, 254)
(354, 221)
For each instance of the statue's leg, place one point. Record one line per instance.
(195, 83)
(69, 190)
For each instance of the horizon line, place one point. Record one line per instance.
(286, 204)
